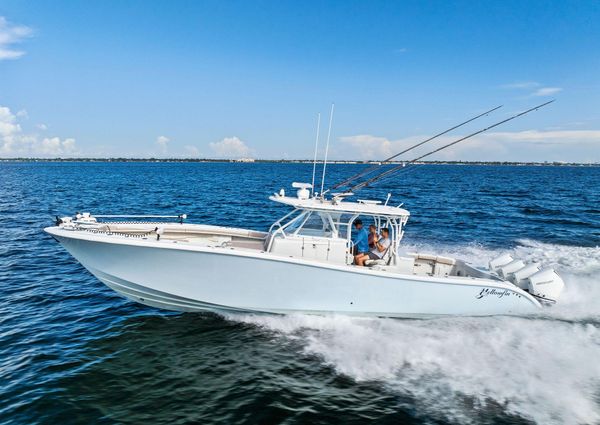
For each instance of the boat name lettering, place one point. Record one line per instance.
(500, 293)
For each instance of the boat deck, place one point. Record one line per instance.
(418, 264)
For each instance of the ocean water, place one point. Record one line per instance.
(74, 352)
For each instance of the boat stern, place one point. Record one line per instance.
(545, 284)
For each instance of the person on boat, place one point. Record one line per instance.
(361, 240)
(372, 234)
(382, 244)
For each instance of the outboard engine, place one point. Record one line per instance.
(519, 277)
(509, 269)
(500, 261)
(545, 284)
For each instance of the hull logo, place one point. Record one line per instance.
(493, 292)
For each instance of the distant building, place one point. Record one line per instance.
(245, 160)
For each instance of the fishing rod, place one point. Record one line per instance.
(370, 169)
(400, 167)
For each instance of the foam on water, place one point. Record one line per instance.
(541, 368)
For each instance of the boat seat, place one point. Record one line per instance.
(445, 260)
(426, 257)
(436, 258)
(380, 262)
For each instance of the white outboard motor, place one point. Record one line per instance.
(519, 277)
(506, 270)
(546, 284)
(500, 261)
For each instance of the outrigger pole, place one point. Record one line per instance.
(327, 149)
(312, 189)
(368, 170)
(400, 167)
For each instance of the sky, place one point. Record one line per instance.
(233, 79)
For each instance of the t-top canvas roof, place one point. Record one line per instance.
(362, 207)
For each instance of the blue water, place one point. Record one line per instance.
(72, 351)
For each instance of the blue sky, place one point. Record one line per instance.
(246, 79)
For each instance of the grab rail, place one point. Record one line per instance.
(180, 217)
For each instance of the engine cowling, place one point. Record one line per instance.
(546, 284)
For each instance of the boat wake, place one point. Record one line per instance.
(472, 370)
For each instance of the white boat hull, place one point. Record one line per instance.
(183, 278)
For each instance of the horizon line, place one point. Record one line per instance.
(262, 160)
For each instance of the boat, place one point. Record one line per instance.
(304, 263)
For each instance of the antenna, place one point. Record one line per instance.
(312, 189)
(327, 148)
(387, 199)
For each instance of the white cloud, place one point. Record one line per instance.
(530, 85)
(42, 126)
(231, 147)
(10, 130)
(55, 146)
(401, 50)
(521, 85)
(15, 142)
(564, 137)
(192, 151)
(163, 143)
(529, 145)
(546, 91)
(11, 34)
(370, 147)
(8, 122)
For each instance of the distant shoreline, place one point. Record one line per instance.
(296, 161)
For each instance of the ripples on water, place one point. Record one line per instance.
(72, 351)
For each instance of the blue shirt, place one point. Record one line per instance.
(361, 241)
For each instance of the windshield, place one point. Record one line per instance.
(312, 224)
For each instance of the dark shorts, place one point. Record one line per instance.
(373, 256)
